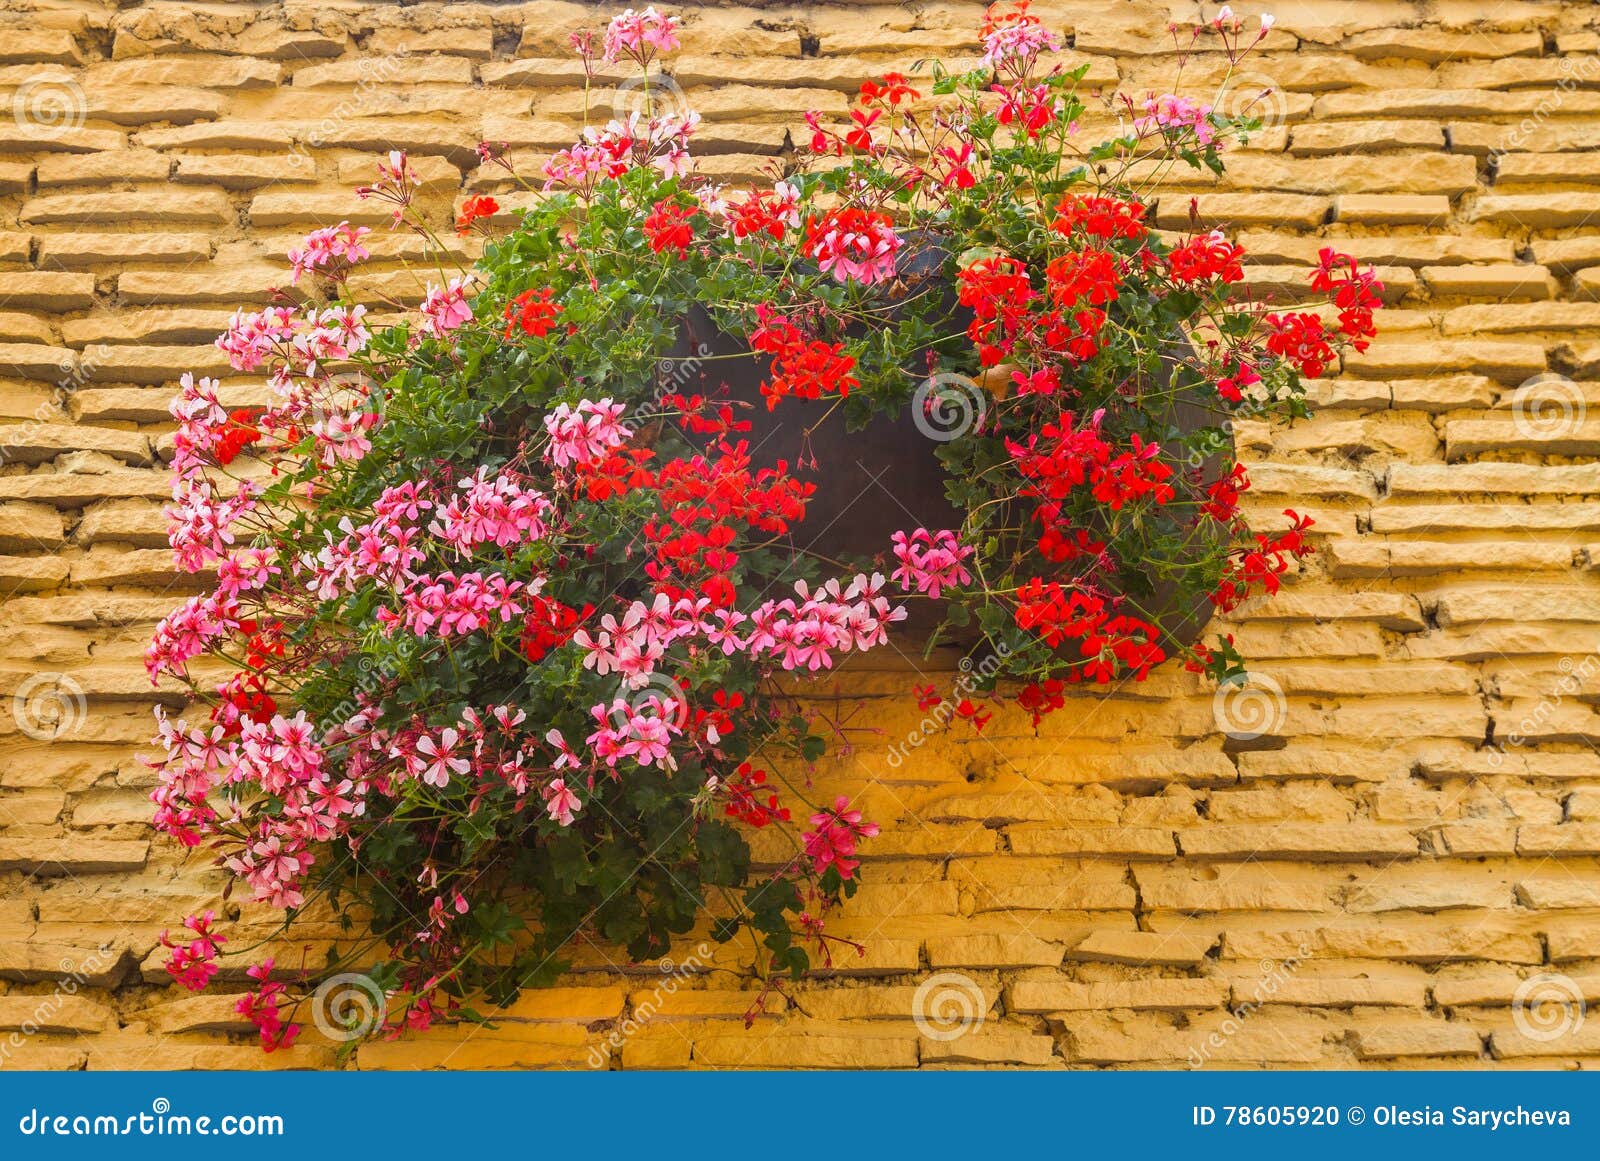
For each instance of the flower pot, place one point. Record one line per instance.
(887, 476)
(869, 483)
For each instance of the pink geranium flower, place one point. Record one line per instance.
(445, 309)
(930, 561)
(560, 802)
(636, 33)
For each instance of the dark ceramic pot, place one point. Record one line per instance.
(885, 477)
(869, 483)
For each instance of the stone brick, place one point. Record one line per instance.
(37, 443)
(47, 291)
(1507, 362)
(1303, 992)
(1183, 948)
(40, 46)
(1122, 841)
(419, 70)
(1390, 211)
(144, 105)
(1500, 282)
(1446, 393)
(18, 135)
(1289, 840)
(1510, 1044)
(1436, 45)
(1515, 318)
(989, 1045)
(218, 1013)
(1485, 139)
(1538, 211)
(1256, 1042)
(221, 282)
(32, 574)
(30, 528)
(312, 210)
(580, 1005)
(1567, 253)
(154, 325)
(111, 808)
(120, 165)
(130, 363)
(1233, 211)
(69, 490)
(166, 205)
(1570, 939)
(1389, 1041)
(1162, 995)
(1518, 169)
(25, 328)
(1265, 886)
(1543, 602)
(684, 1004)
(80, 250)
(802, 1050)
(238, 172)
(218, 72)
(992, 951)
(1572, 838)
(1315, 140)
(123, 522)
(37, 361)
(54, 1012)
(37, 961)
(226, 134)
(1542, 894)
(549, 1047)
(72, 856)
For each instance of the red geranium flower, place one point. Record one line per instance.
(481, 206)
(531, 312)
(668, 227)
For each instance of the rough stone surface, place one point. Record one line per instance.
(1410, 834)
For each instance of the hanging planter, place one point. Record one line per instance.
(510, 626)
(884, 472)
(873, 472)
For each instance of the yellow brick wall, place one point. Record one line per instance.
(1350, 879)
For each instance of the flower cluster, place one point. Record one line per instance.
(930, 561)
(854, 245)
(506, 614)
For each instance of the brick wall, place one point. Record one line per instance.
(1333, 870)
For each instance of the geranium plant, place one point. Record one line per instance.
(503, 607)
